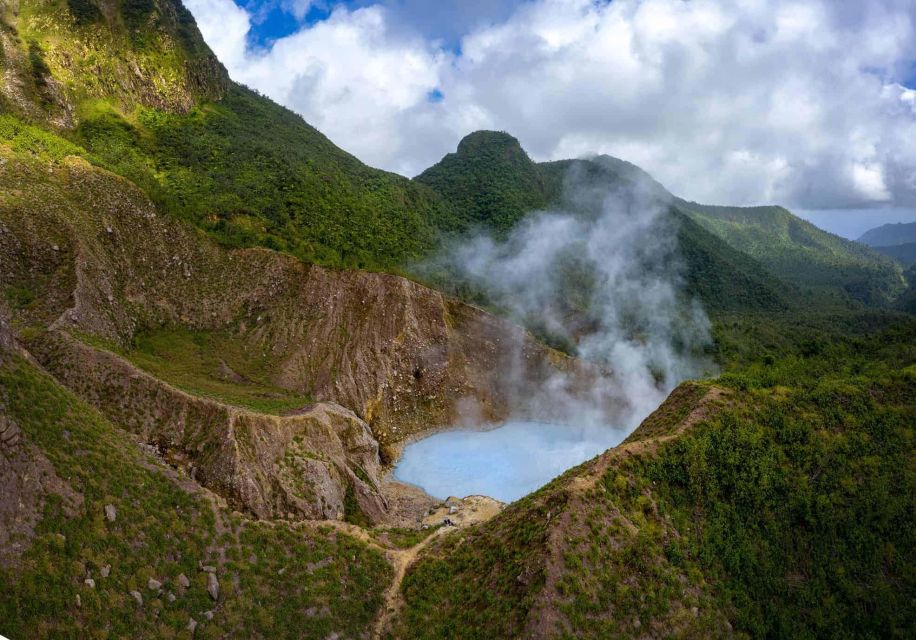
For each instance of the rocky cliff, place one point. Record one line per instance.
(87, 260)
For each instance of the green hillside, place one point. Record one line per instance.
(777, 502)
(726, 280)
(490, 182)
(79, 570)
(492, 178)
(799, 252)
(195, 442)
(890, 234)
(141, 95)
(904, 253)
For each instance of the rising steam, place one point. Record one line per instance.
(601, 278)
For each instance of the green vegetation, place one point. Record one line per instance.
(35, 141)
(725, 279)
(785, 512)
(84, 11)
(214, 365)
(252, 173)
(275, 580)
(490, 182)
(801, 497)
(798, 252)
(402, 538)
(888, 235)
(480, 582)
(904, 253)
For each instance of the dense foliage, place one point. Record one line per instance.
(490, 182)
(252, 173)
(904, 253)
(798, 252)
(888, 235)
(787, 510)
(799, 499)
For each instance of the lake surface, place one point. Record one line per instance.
(505, 463)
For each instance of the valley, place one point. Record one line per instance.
(251, 387)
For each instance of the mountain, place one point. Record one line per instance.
(904, 253)
(98, 535)
(799, 252)
(722, 515)
(136, 89)
(490, 181)
(888, 235)
(491, 176)
(196, 428)
(495, 184)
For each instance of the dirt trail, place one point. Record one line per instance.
(461, 512)
(400, 560)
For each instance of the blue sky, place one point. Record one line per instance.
(810, 104)
(442, 20)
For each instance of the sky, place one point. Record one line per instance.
(810, 104)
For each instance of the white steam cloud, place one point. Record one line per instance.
(600, 277)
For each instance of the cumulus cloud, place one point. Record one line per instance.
(801, 102)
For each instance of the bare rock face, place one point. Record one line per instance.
(270, 466)
(213, 586)
(385, 357)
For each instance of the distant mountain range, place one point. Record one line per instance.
(897, 240)
(888, 235)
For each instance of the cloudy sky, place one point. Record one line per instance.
(806, 103)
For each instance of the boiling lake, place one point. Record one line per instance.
(505, 463)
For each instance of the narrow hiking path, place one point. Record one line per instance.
(400, 560)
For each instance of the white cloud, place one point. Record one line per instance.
(224, 26)
(738, 101)
(298, 8)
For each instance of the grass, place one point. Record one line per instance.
(214, 365)
(276, 581)
(403, 538)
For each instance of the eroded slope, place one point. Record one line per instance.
(89, 261)
(112, 543)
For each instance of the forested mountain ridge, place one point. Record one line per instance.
(195, 428)
(135, 89)
(491, 176)
(888, 235)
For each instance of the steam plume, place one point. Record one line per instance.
(599, 277)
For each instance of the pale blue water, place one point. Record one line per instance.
(505, 463)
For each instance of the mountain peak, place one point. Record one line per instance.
(482, 140)
(490, 180)
(142, 52)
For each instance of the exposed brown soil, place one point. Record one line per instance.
(27, 478)
(102, 264)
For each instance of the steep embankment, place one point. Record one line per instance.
(86, 255)
(97, 537)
